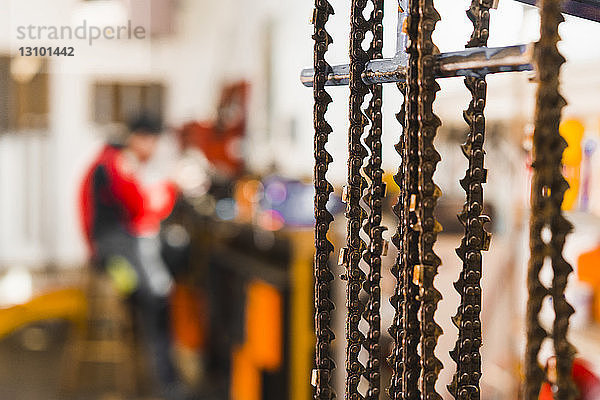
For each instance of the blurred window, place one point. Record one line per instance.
(117, 102)
(24, 93)
(157, 15)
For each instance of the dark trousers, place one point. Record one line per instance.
(150, 306)
(153, 323)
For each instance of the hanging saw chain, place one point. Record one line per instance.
(405, 332)
(414, 68)
(427, 226)
(321, 378)
(373, 198)
(351, 255)
(466, 354)
(371, 191)
(547, 192)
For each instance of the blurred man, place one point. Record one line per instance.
(121, 219)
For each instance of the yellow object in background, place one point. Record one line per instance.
(122, 275)
(572, 131)
(68, 304)
(391, 185)
(302, 335)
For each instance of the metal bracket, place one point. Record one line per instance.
(476, 62)
(587, 9)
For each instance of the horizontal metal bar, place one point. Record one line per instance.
(478, 61)
(338, 76)
(384, 71)
(482, 61)
(377, 71)
(588, 9)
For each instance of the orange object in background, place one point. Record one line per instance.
(247, 194)
(264, 325)
(263, 348)
(588, 270)
(189, 317)
(572, 131)
(246, 382)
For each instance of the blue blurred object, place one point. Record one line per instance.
(226, 209)
(589, 147)
(294, 200)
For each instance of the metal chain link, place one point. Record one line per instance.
(374, 199)
(466, 354)
(547, 193)
(427, 225)
(323, 276)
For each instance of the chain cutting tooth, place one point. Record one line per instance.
(456, 321)
(465, 183)
(466, 147)
(459, 285)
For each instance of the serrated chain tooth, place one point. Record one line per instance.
(466, 147)
(459, 285)
(462, 218)
(456, 321)
(465, 183)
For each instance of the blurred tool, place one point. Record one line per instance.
(221, 140)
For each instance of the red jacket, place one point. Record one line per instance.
(587, 383)
(111, 197)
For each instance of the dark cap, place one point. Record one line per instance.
(145, 123)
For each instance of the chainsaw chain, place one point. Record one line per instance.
(355, 214)
(323, 275)
(547, 193)
(466, 354)
(373, 197)
(404, 359)
(427, 226)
